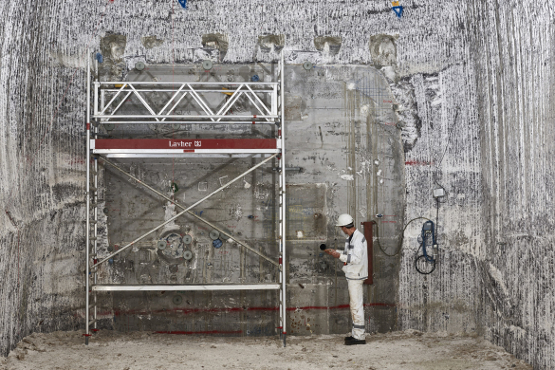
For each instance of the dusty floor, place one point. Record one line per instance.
(142, 350)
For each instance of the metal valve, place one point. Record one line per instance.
(188, 255)
(207, 64)
(214, 234)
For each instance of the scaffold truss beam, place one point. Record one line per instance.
(165, 102)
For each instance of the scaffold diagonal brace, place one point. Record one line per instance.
(201, 102)
(227, 106)
(189, 212)
(114, 98)
(259, 101)
(185, 210)
(171, 99)
(147, 106)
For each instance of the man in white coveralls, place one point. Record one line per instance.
(355, 259)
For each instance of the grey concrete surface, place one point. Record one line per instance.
(346, 151)
(470, 85)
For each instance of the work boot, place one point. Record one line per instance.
(350, 337)
(351, 341)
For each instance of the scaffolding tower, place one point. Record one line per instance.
(108, 107)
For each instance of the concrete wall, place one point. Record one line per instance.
(472, 85)
(345, 154)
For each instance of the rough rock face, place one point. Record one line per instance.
(472, 83)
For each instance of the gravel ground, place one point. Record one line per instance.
(145, 350)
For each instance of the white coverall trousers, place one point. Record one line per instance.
(357, 307)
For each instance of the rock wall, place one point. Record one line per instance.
(41, 171)
(495, 273)
(515, 105)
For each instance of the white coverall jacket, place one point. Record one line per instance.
(355, 257)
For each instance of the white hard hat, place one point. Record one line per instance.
(344, 220)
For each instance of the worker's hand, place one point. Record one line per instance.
(332, 252)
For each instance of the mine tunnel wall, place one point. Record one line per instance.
(472, 82)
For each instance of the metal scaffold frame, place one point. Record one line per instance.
(141, 91)
(112, 113)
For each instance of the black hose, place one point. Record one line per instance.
(402, 237)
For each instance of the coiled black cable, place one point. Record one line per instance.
(402, 237)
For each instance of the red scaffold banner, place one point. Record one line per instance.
(181, 144)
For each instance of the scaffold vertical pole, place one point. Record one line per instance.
(283, 203)
(95, 203)
(88, 196)
(279, 214)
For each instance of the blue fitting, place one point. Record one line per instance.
(183, 3)
(111, 261)
(99, 57)
(255, 78)
(217, 243)
(398, 11)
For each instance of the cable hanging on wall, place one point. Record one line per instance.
(424, 263)
(400, 244)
